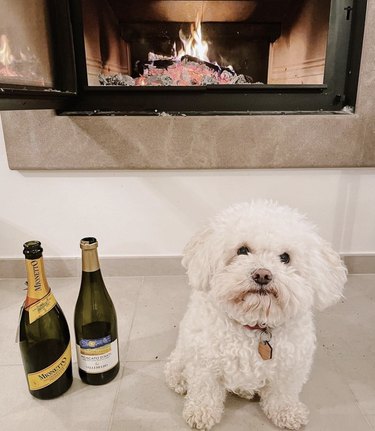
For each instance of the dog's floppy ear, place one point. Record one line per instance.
(196, 259)
(329, 275)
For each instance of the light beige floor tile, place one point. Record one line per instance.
(12, 292)
(161, 305)
(364, 393)
(146, 403)
(331, 402)
(82, 407)
(12, 296)
(371, 420)
(346, 333)
(9, 318)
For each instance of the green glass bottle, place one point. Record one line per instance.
(95, 322)
(43, 332)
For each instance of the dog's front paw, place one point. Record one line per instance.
(290, 416)
(201, 417)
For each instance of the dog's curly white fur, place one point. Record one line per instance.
(216, 350)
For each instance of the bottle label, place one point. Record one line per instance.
(97, 356)
(37, 286)
(42, 307)
(47, 376)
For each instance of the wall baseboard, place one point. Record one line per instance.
(125, 266)
(360, 264)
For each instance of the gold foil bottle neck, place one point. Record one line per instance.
(37, 285)
(90, 259)
(88, 243)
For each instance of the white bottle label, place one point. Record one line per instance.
(97, 356)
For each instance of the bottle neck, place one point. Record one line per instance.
(37, 286)
(90, 260)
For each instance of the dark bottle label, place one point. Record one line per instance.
(45, 377)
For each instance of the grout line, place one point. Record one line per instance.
(369, 422)
(357, 403)
(165, 275)
(111, 416)
(127, 341)
(11, 365)
(133, 317)
(146, 361)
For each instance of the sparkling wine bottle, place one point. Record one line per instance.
(43, 332)
(95, 322)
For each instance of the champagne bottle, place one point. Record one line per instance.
(95, 322)
(43, 332)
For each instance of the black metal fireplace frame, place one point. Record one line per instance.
(76, 97)
(17, 97)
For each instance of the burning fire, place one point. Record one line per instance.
(18, 66)
(6, 57)
(190, 66)
(194, 44)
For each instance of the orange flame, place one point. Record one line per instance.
(6, 57)
(194, 44)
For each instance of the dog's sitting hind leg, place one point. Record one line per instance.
(173, 371)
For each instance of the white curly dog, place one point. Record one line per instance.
(257, 271)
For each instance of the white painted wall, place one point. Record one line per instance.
(155, 212)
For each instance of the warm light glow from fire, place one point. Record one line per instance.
(6, 57)
(194, 44)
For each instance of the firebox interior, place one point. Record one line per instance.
(268, 41)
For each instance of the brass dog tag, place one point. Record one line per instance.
(265, 350)
(264, 347)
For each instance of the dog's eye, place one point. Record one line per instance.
(285, 258)
(243, 250)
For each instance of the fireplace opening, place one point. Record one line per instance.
(200, 43)
(202, 57)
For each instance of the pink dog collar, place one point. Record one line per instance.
(256, 327)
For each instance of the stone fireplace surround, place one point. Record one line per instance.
(44, 140)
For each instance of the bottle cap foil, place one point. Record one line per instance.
(88, 243)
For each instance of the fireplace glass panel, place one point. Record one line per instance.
(25, 51)
(200, 43)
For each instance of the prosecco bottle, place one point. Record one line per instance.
(95, 322)
(43, 332)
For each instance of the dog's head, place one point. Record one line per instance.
(264, 263)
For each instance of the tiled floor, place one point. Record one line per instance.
(340, 392)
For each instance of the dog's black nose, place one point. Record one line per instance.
(262, 276)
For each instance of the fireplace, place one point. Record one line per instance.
(161, 57)
(163, 43)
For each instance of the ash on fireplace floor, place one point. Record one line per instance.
(186, 71)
